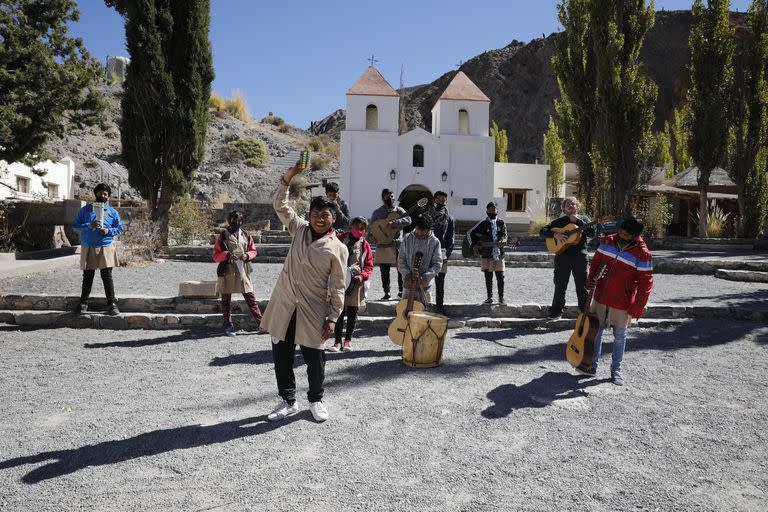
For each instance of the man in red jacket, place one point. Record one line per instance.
(623, 292)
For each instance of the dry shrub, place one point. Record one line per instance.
(284, 128)
(189, 221)
(319, 163)
(216, 102)
(253, 151)
(297, 187)
(140, 242)
(273, 120)
(218, 200)
(237, 106)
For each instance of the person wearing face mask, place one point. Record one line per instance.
(623, 293)
(573, 260)
(422, 240)
(307, 299)
(342, 210)
(387, 254)
(98, 224)
(233, 251)
(443, 226)
(487, 238)
(360, 268)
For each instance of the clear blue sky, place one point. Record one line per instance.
(297, 58)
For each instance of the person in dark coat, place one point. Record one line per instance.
(487, 238)
(443, 227)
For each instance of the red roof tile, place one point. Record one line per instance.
(371, 83)
(462, 88)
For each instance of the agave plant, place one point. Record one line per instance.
(716, 219)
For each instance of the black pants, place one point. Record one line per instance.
(439, 289)
(351, 314)
(283, 355)
(565, 266)
(499, 283)
(106, 278)
(384, 267)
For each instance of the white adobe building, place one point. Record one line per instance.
(18, 181)
(457, 157)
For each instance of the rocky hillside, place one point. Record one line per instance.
(522, 87)
(222, 177)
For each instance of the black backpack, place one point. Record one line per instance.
(221, 269)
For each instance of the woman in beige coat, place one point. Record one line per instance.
(307, 299)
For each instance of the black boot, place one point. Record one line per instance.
(500, 285)
(488, 286)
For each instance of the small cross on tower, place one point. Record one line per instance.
(372, 59)
(459, 64)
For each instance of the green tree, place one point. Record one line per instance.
(661, 150)
(573, 63)
(500, 136)
(677, 131)
(748, 160)
(165, 103)
(553, 153)
(711, 49)
(46, 78)
(625, 98)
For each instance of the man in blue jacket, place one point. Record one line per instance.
(98, 224)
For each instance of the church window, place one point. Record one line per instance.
(463, 122)
(516, 200)
(371, 117)
(418, 155)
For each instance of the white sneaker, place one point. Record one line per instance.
(283, 410)
(319, 412)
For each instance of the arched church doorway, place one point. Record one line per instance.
(410, 196)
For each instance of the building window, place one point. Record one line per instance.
(22, 185)
(371, 117)
(516, 200)
(463, 122)
(53, 191)
(418, 155)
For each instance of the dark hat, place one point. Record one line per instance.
(490, 205)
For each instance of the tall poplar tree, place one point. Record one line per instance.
(165, 101)
(573, 63)
(625, 98)
(711, 48)
(553, 152)
(501, 144)
(748, 162)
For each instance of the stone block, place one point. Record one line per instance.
(201, 289)
(749, 276)
(158, 321)
(7, 317)
(532, 311)
(139, 321)
(456, 324)
(193, 320)
(380, 309)
(75, 321)
(34, 319)
(172, 320)
(118, 322)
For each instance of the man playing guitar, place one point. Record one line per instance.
(493, 232)
(573, 260)
(386, 254)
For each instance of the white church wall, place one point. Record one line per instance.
(429, 174)
(386, 105)
(57, 183)
(367, 158)
(469, 164)
(445, 117)
(529, 177)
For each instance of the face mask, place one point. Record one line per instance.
(102, 199)
(356, 233)
(491, 215)
(388, 201)
(234, 227)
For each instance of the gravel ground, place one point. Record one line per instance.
(175, 420)
(463, 284)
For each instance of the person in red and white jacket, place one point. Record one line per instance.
(623, 291)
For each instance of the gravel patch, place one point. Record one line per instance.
(463, 284)
(175, 420)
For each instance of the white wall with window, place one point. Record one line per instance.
(521, 190)
(20, 181)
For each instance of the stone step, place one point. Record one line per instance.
(123, 321)
(201, 306)
(749, 276)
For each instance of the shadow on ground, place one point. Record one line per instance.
(160, 340)
(64, 462)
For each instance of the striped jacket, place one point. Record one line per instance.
(628, 278)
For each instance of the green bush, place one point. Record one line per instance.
(536, 226)
(297, 187)
(253, 151)
(188, 221)
(656, 213)
(274, 120)
(284, 128)
(319, 163)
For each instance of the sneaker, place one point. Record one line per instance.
(112, 309)
(347, 346)
(489, 300)
(335, 348)
(230, 331)
(82, 308)
(617, 378)
(385, 297)
(283, 410)
(400, 294)
(319, 412)
(589, 372)
(502, 301)
(554, 315)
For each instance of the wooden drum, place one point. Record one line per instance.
(424, 339)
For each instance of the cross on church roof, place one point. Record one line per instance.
(459, 64)
(372, 59)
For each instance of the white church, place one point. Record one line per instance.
(457, 157)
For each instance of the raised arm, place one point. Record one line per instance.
(284, 212)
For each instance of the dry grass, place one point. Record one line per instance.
(216, 102)
(237, 106)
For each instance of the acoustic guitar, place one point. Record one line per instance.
(580, 350)
(572, 231)
(484, 241)
(381, 232)
(398, 326)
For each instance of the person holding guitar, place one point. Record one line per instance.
(571, 260)
(443, 226)
(420, 240)
(623, 293)
(386, 253)
(307, 299)
(488, 238)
